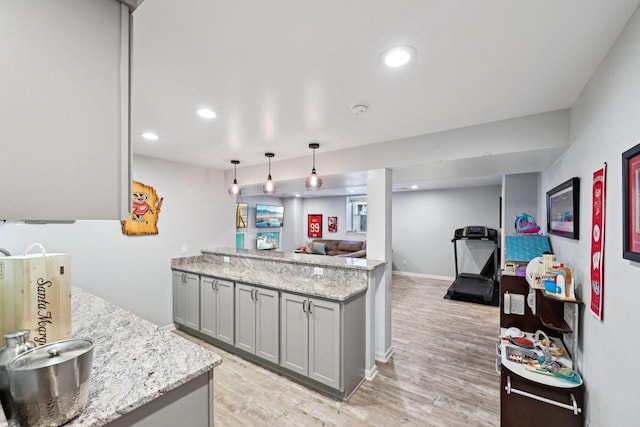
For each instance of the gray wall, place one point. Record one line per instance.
(519, 195)
(134, 272)
(329, 206)
(604, 123)
(251, 231)
(424, 223)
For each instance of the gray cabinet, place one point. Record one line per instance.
(311, 337)
(186, 299)
(216, 308)
(257, 321)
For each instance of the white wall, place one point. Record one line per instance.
(604, 123)
(519, 195)
(424, 223)
(329, 206)
(134, 272)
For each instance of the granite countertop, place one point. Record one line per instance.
(134, 360)
(299, 258)
(318, 286)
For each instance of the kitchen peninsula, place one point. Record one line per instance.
(304, 316)
(141, 374)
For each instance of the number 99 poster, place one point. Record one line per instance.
(314, 225)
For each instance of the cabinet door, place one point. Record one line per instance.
(245, 317)
(193, 301)
(179, 298)
(324, 342)
(268, 325)
(294, 333)
(224, 311)
(208, 306)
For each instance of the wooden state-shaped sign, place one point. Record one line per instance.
(145, 211)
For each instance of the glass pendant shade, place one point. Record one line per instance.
(270, 186)
(235, 189)
(313, 181)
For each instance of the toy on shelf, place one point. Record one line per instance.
(526, 224)
(554, 278)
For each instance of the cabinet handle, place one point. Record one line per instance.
(310, 302)
(304, 306)
(184, 278)
(573, 407)
(252, 297)
(256, 294)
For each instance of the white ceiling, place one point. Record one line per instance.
(283, 73)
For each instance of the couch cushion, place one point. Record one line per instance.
(318, 248)
(349, 245)
(332, 245)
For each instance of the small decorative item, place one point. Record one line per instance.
(597, 239)
(563, 209)
(239, 240)
(145, 211)
(631, 204)
(314, 225)
(242, 216)
(526, 224)
(332, 224)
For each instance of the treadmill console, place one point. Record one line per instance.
(476, 232)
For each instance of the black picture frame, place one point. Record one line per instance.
(563, 209)
(631, 204)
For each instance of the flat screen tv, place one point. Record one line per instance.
(268, 240)
(269, 216)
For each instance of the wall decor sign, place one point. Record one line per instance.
(242, 215)
(563, 209)
(631, 204)
(314, 225)
(332, 224)
(145, 211)
(598, 211)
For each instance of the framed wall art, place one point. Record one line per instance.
(332, 224)
(242, 216)
(314, 225)
(563, 209)
(631, 204)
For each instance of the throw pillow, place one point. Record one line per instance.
(318, 248)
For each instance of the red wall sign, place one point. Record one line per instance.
(597, 240)
(314, 225)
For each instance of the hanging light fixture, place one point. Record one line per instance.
(270, 186)
(235, 188)
(313, 181)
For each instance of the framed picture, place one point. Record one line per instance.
(314, 225)
(563, 209)
(242, 216)
(332, 224)
(239, 240)
(631, 204)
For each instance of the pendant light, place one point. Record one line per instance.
(235, 188)
(270, 186)
(313, 181)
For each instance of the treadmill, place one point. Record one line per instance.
(476, 287)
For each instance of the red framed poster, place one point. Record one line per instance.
(314, 225)
(598, 194)
(631, 204)
(332, 224)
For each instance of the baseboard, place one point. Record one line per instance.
(384, 357)
(370, 374)
(168, 328)
(425, 276)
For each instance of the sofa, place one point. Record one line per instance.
(342, 248)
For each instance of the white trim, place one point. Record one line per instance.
(168, 328)
(425, 276)
(384, 357)
(370, 374)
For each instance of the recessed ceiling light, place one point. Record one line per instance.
(150, 136)
(206, 113)
(352, 191)
(414, 187)
(297, 195)
(398, 56)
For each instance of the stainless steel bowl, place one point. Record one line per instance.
(50, 384)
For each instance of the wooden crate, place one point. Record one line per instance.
(35, 294)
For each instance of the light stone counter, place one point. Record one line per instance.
(341, 278)
(134, 362)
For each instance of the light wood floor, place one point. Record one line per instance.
(442, 373)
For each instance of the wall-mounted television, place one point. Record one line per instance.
(268, 240)
(242, 215)
(269, 216)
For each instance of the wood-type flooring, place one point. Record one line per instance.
(441, 374)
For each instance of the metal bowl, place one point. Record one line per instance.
(50, 384)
